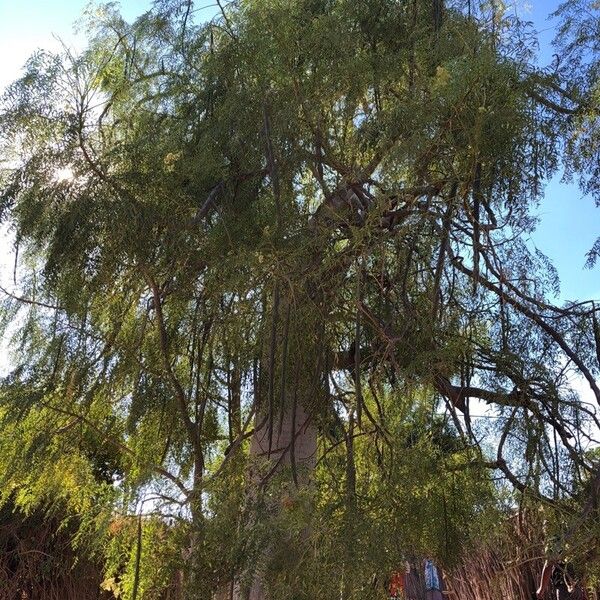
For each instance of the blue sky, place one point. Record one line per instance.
(31, 24)
(569, 222)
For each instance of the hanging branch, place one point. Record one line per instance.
(476, 218)
(30, 301)
(284, 364)
(350, 462)
(538, 320)
(190, 426)
(357, 378)
(439, 269)
(272, 167)
(138, 557)
(272, 347)
(293, 437)
(119, 445)
(438, 14)
(596, 327)
(228, 27)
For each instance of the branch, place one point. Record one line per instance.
(209, 204)
(552, 105)
(120, 445)
(178, 390)
(538, 320)
(29, 301)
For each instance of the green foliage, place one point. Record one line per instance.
(307, 203)
(422, 498)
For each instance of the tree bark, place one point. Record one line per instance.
(283, 447)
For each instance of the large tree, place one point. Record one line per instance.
(265, 267)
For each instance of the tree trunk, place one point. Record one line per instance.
(283, 447)
(289, 449)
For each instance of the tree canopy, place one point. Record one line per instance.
(270, 270)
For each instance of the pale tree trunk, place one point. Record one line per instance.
(283, 447)
(292, 443)
(293, 448)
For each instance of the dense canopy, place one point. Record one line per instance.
(276, 321)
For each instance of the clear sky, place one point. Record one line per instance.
(569, 222)
(26, 25)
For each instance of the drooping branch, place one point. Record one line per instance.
(30, 301)
(537, 319)
(176, 385)
(117, 444)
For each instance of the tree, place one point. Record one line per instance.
(266, 266)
